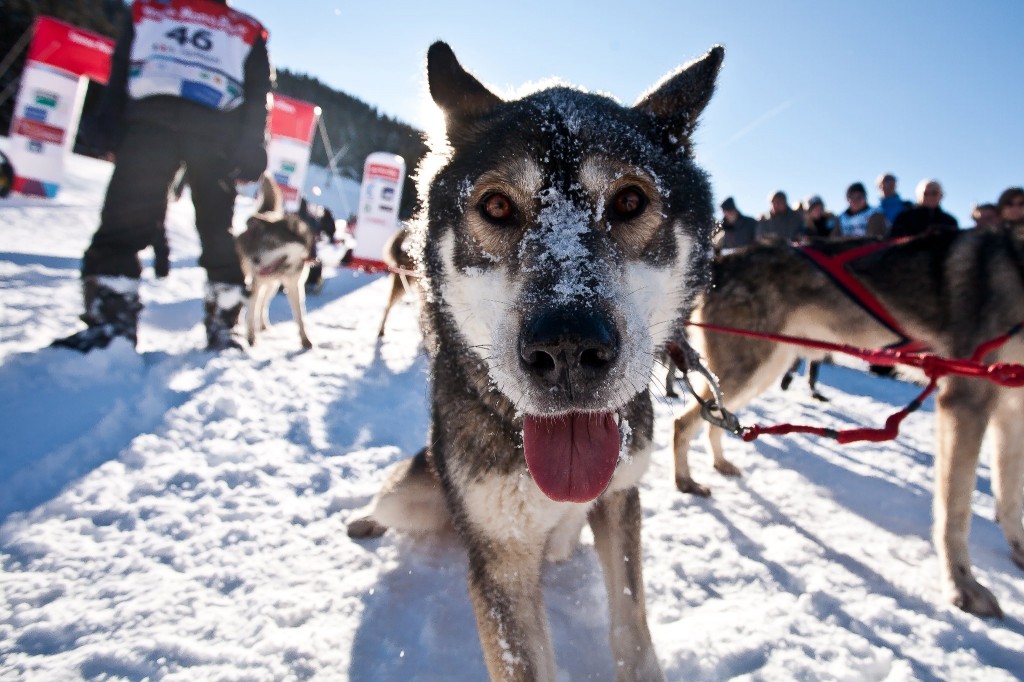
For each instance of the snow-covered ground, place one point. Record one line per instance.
(176, 515)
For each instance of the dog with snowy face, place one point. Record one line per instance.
(563, 238)
(275, 251)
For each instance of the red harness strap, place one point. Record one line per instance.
(835, 267)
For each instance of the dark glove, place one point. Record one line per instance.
(248, 162)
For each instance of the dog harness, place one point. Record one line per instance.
(906, 351)
(835, 268)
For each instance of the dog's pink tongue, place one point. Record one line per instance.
(573, 457)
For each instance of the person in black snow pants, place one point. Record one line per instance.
(190, 84)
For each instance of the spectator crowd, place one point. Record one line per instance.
(892, 217)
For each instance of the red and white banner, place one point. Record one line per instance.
(292, 125)
(72, 49)
(380, 197)
(61, 58)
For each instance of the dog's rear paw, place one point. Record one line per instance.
(306, 343)
(972, 597)
(727, 468)
(688, 485)
(365, 528)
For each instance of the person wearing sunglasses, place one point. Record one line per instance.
(927, 215)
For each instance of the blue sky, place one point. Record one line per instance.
(812, 96)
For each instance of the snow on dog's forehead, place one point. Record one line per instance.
(597, 120)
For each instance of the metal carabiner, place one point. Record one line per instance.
(712, 411)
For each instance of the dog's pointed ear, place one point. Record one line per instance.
(459, 95)
(679, 98)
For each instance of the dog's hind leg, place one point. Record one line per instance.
(1007, 432)
(961, 415)
(397, 289)
(296, 291)
(686, 427)
(615, 520)
(670, 380)
(410, 500)
(255, 309)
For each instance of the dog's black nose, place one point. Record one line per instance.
(568, 348)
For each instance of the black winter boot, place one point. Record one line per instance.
(111, 309)
(223, 304)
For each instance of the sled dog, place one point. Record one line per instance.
(398, 259)
(275, 251)
(563, 238)
(949, 291)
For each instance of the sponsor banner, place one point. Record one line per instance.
(68, 47)
(43, 128)
(379, 199)
(294, 119)
(292, 124)
(49, 106)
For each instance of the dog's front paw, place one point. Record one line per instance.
(306, 343)
(974, 598)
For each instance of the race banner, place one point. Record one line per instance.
(292, 125)
(379, 199)
(61, 59)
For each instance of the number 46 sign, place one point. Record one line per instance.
(194, 50)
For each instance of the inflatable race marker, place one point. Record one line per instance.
(379, 199)
(61, 59)
(292, 125)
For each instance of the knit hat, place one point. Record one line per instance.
(813, 201)
(729, 205)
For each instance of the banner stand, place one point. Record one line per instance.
(380, 197)
(292, 126)
(61, 60)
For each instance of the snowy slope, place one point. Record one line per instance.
(174, 515)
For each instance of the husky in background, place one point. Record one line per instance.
(563, 240)
(951, 291)
(275, 251)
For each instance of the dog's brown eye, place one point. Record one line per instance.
(498, 208)
(628, 203)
